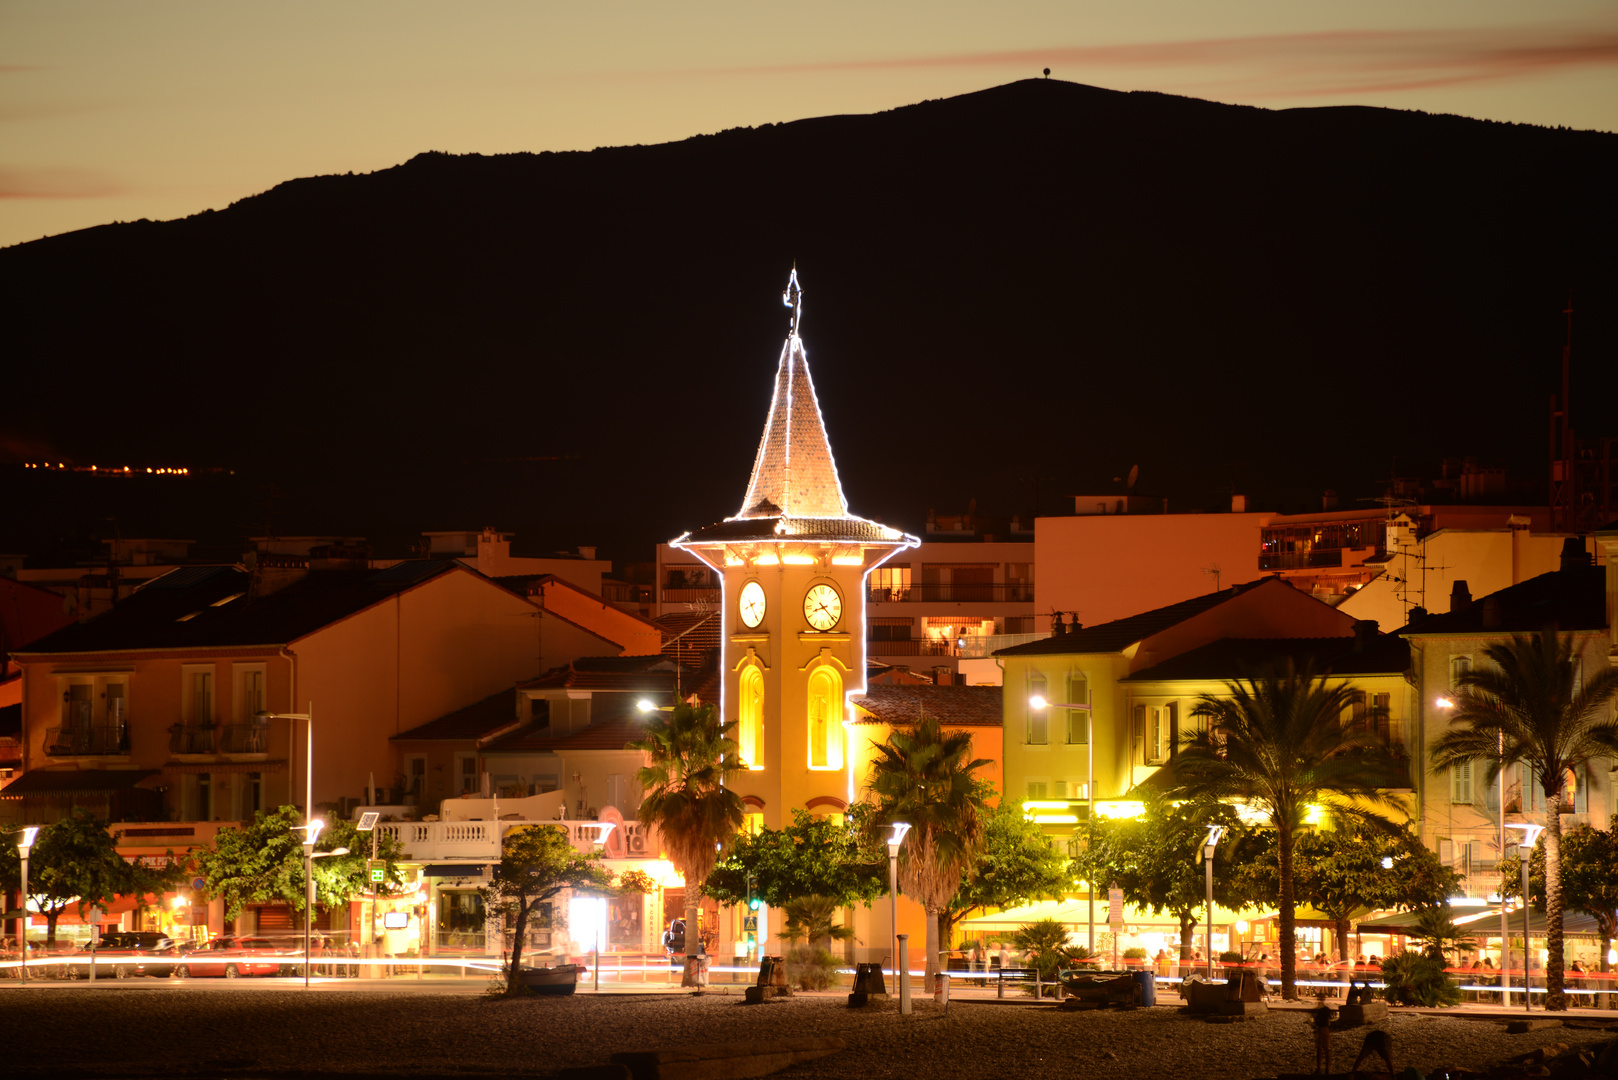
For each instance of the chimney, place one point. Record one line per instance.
(1460, 597)
(1491, 613)
(1238, 504)
(587, 552)
(1573, 553)
(1417, 613)
(1519, 547)
(1365, 631)
(1328, 500)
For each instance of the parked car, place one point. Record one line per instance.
(231, 956)
(137, 952)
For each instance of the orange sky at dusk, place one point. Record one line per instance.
(162, 109)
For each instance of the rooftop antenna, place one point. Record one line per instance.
(1214, 572)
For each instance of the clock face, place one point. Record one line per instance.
(752, 604)
(822, 607)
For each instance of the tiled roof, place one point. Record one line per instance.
(630, 674)
(609, 733)
(472, 722)
(1571, 599)
(1119, 634)
(1232, 658)
(793, 473)
(208, 607)
(955, 706)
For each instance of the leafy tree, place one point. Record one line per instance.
(813, 856)
(1015, 864)
(75, 863)
(921, 775)
(1527, 705)
(262, 863)
(1156, 861)
(634, 881)
(1279, 743)
(1340, 872)
(689, 753)
(535, 864)
(1589, 878)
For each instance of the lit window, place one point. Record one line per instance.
(750, 731)
(825, 719)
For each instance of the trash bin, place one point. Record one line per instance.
(1148, 986)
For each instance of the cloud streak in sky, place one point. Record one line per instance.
(56, 184)
(1332, 63)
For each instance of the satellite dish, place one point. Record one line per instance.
(1134, 474)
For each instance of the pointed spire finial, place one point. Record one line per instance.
(792, 297)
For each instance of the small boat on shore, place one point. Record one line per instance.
(561, 979)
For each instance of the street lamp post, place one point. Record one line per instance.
(1525, 851)
(367, 823)
(311, 832)
(1208, 846)
(24, 846)
(894, 842)
(1037, 702)
(603, 830)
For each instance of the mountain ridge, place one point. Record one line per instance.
(1039, 281)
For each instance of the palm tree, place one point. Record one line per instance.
(811, 919)
(689, 754)
(1528, 706)
(921, 775)
(1278, 742)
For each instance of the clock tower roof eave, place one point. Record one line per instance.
(847, 530)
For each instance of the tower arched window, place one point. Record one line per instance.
(825, 719)
(750, 729)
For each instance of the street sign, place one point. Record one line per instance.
(379, 872)
(750, 924)
(1115, 906)
(199, 883)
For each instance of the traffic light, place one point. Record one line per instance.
(753, 902)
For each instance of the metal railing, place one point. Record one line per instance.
(248, 738)
(979, 648)
(908, 647)
(1300, 560)
(480, 840)
(109, 738)
(951, 594)
(188, 739)
(691, 596)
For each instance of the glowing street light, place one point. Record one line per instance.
(24, 846)
(1525, 850)
(1215, 832)
(900, 828)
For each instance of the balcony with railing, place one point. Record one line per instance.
(983, 646)
(74, 740)
(908, 647)
(192, 738)
(1300, 560)
(691, 595)
(252, 737)
(957, 593)
(479, 841)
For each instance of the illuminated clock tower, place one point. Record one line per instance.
(792, 565)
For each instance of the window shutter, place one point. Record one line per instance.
(1460, 792)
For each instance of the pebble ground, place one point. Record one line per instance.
(66, 1033)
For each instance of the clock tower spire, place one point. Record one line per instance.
(792, 564)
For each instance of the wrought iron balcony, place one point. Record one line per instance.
(908, 647)
(191, 739)
(82, 739)
(252, 737)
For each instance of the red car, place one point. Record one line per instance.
(231, 956)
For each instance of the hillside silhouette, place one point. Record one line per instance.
(1034, 286)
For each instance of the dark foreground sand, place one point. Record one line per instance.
(68, 1033)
